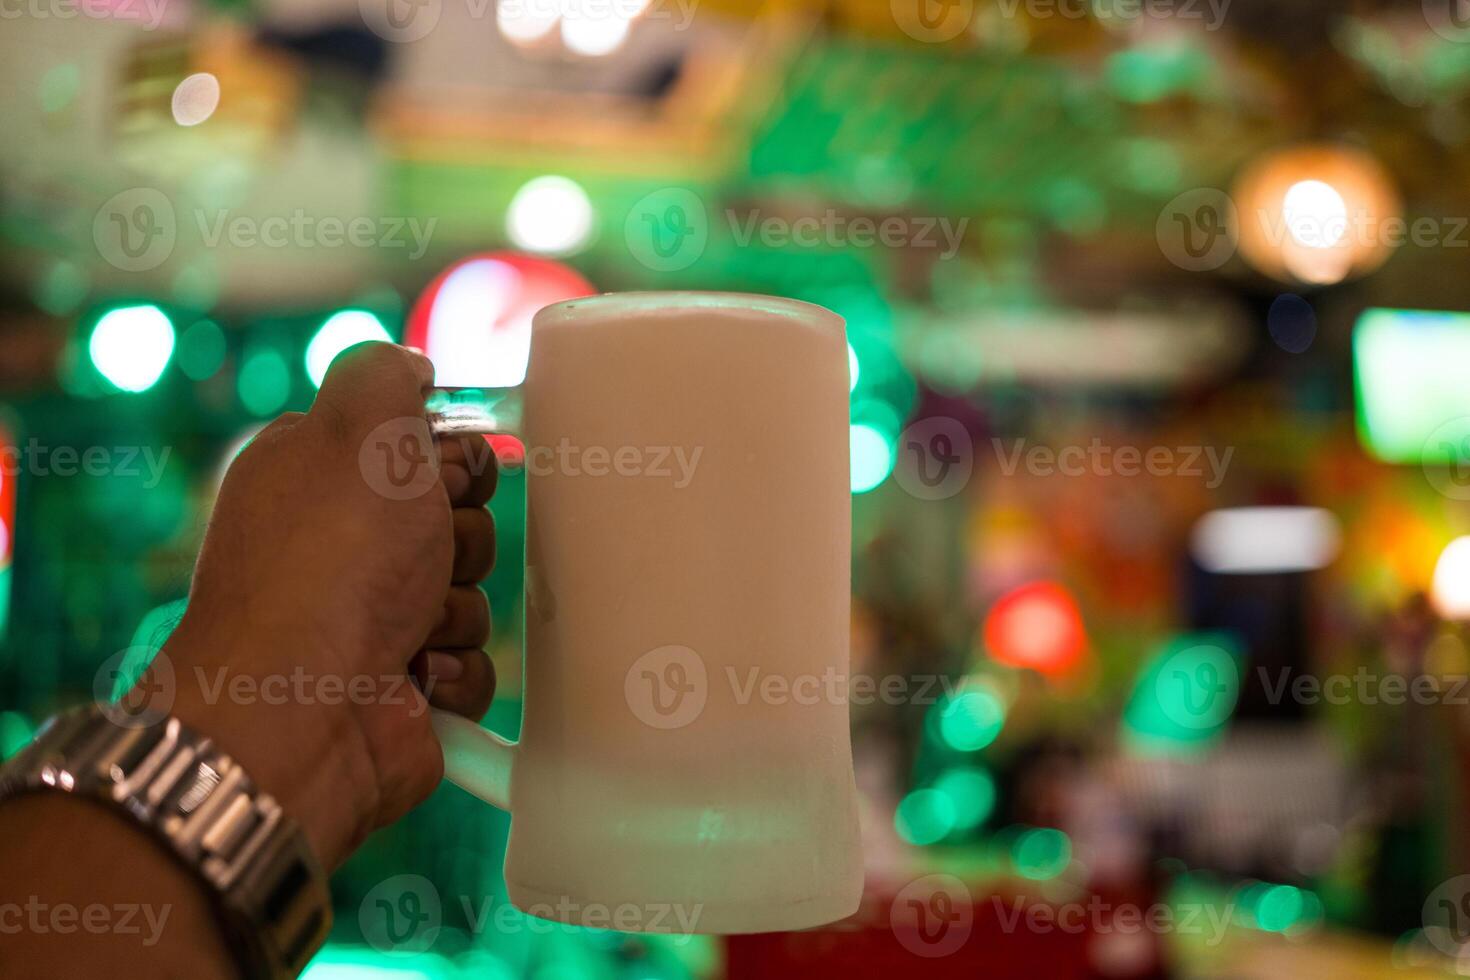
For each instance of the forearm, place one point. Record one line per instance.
(85, 893)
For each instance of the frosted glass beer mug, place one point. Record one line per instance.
(684, 761)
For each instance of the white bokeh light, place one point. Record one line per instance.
(195, 99)
(525, 22)
(339, 332)
(1316, 215)
(551, 216)
(594, 36)
(1451, 588)
(131, 346)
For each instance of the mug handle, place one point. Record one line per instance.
(475, 759)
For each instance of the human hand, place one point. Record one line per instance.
(341, 555)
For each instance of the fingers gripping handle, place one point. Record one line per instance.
(475, 759)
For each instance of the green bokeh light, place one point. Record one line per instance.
(971, 720)
(16, 732)
(924, 816)
(201, 350)
(971, 790)
(264, 382)
(871, 457)
(1041, 853)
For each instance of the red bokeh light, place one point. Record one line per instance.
(1037, 626)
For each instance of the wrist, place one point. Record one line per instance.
(312, 758)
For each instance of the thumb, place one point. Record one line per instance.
(370, 383)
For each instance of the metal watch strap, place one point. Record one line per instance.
(271, 891)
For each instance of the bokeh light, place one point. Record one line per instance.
(1451, 589)
(971, 719)
(195, 99)
(924, 816)
(340, 331)
(1041, 853)
(871, 455)
(131, 345)
(1037, 626)
(971, 790)
(550, 216)
(474, 319)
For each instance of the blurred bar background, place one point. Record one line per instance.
(1159, 320)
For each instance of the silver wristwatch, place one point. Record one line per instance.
(271, 893)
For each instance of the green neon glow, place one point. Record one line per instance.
(16, 732)
(1411, 371)
(336, 962)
